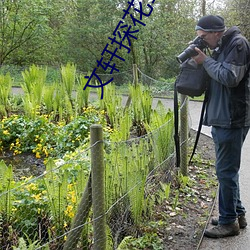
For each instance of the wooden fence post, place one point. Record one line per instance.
(135, 74)
(98, 194)
(184, 135)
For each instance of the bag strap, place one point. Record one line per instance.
(199, 127)
(176, 126)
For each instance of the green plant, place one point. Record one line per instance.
(126, 172)
(176, 199)
(114, 109)
(23, 134)
(64, 184)
(68, 74)
(28, 244)
(123, 124)
(6, 184)
(56, 187)
(48, 98)
(82, 96)
(5, 89)
(30, 208)
(33, 85)
(164, 191)
(161, 128)
(184, 181)
(147, 241)
(44, 137)
(141, 104)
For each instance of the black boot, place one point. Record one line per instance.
(241, 219)
(221, 231)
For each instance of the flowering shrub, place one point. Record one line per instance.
(43, 137)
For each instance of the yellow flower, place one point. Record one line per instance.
(69, 211)
(73, 199)
(45, 151)
(14, 209)
(103, 112)
(38, 155)
(6, 132)
(37, 196)
(31, 187)
(16, 152)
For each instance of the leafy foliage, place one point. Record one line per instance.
(43, 137)
(58, 32)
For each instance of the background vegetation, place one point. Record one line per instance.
(74, 33)
(49, 32)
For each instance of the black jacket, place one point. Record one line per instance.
(229, 90)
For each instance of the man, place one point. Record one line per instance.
(228, 112)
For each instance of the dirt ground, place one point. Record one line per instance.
(187, 222)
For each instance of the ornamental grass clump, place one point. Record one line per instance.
(160, 131)
(33, 85)
(5, 90)
(68, 75)
(82, 96)
(141, 106)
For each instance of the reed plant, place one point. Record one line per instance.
(57, 192)
(6, 184)
(122, 130)
(56, 184)
(161, 130)
(34, 80)
(68, 74)
(62, 106)
(141, 106)
(113, 108)
(82, 96)
(136, 178)
(126, 172)
(5, 90)
(48, 98)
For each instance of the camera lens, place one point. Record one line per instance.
(187, 53)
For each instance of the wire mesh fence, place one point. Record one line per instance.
(42, 209)
(55, 210)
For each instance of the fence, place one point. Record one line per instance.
(97, 205)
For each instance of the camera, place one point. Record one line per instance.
(190, 51)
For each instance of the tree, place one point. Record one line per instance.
(237, 12)
(21, 21)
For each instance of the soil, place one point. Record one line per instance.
(24, 164)
(186, 223)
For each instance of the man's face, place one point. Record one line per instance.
(211, 38)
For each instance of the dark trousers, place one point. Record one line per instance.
(228, 145)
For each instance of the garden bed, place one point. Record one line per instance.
(185, 226)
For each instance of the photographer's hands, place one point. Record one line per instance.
(200, 58)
